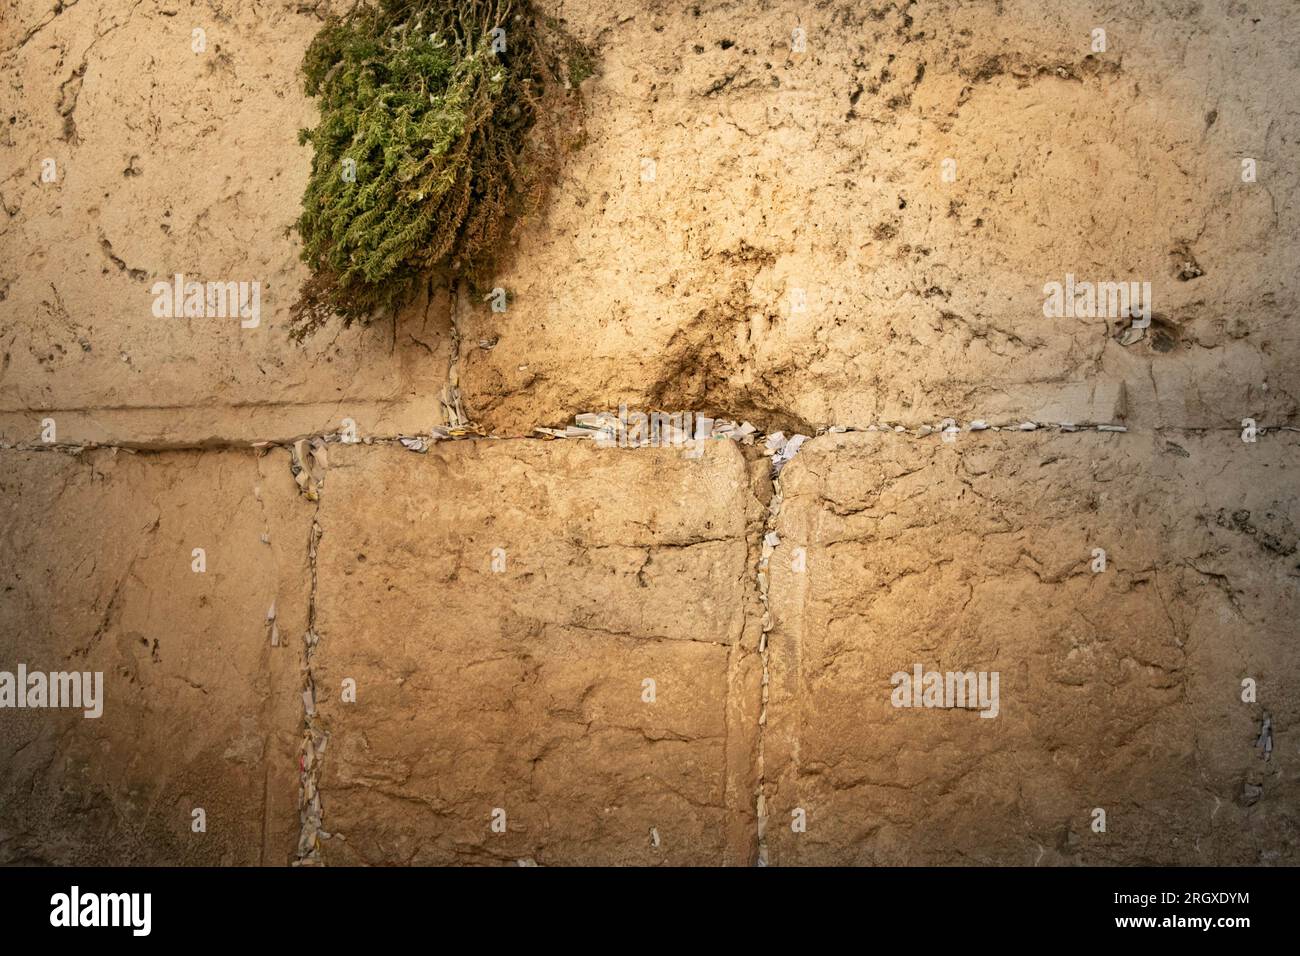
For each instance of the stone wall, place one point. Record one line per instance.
(500, 607)
(1119, 689)
(502, 648)
(201, 692)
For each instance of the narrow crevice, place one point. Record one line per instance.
(453, 412)
(314, 737)
(768, 544)
(467, 431)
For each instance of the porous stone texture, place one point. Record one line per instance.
(200, 710)
(523, 689)
(1120, 690)
(799, 259)
(174, 161)
(743, 230)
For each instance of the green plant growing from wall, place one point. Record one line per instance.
(436, 132)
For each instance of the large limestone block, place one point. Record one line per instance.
(169, 161)
(199, 709)
(1119, 690)
(523, 688)
(795, 255)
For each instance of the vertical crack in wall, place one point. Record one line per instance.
(453, 411)
(768, 545)
(314, 737)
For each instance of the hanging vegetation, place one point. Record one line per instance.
(438, 122)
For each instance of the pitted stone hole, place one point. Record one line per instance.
(1164, 335)
(1162, 341)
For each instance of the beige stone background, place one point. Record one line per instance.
(520, 686)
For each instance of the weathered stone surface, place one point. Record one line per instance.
(1119, 690)
(821, 171)
(175, 161)
(522, 689)
(796, 259)
(200, 710)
